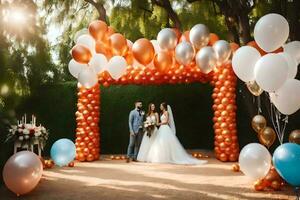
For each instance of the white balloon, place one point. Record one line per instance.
(98, 62)
(271, 71)
(206, 59)
(293, 49)
(156, 46)
(255, 161)
(88, 77)
(167, 39)
(199, 35)
(223, 51)
(75, 67)
(184, 53)
(287, 98)
(271, 32)
(79, 33)
(87, 41)
(117, 67)
(243, 62)
(292, 64)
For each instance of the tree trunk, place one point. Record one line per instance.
(244, 28)
(172, 15)
(100, 9)
(294, 20)
(233, 32)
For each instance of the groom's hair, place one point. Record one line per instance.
(137, 101)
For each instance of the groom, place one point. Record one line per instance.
(136, 131)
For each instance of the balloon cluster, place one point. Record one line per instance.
(87, 118)
(113, 157)
(272, 181)
(266, 134)
(172, 58)
(226, 141)
(268, 64)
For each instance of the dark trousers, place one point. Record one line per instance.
(134, 144)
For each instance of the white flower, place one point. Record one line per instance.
(26, 132)
(37, 133)
(20, 130)
(21, 138)
(26, 137)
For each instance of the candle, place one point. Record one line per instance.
(25, 118)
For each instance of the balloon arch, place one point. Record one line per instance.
(102, 57)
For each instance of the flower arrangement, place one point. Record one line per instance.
(28, 133)
(149, 126)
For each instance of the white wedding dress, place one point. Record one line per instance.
(166, 148)
(147, 141)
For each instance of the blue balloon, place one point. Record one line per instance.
(286, 160)
(63, 151)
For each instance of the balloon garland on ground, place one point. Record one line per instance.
(105, 57)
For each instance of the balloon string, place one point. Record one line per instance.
(277, 115)
(286, 121)
(276, 127)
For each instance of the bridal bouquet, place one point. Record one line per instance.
(149, 126)
(28, 133)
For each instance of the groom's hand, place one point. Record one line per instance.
(132, 133)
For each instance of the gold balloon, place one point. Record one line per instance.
(254, 88)
(295, 136)
(258, 123)
(267, 136)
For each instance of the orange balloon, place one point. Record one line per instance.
(143, 51)
(254, 44)
(213, 38)
(102, 48)
(97, 29)
(81, 54)
(262, 52)
(129, 58)
(118, 44)
(185, 36)
(163, 61)
(234, 46)
(110, 31)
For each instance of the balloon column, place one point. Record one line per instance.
(87, 118)
(104, 57)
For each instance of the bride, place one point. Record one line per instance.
(147, 140)
(165, 147)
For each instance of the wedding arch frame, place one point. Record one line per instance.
(221, 78)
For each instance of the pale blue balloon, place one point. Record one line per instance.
(286, 160)
(63, 151)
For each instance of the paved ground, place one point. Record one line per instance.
(108, 179)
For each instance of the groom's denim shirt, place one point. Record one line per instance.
(135, 121)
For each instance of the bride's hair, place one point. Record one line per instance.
(165, 105)
(149, 109)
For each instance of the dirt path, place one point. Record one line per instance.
(118, 180)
